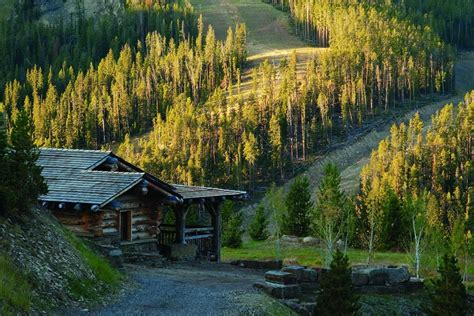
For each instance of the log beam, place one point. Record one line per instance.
(180, 212)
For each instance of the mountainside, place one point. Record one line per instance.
(43, 267)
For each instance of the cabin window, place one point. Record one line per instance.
(126, 226)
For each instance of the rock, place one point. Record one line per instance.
(280, 291)
(377, 276)
(398, 274)
(310, 240)
(260, 264)
(297, 271)
(310, 276)
(116, 258)
(280, 277)
(414, 284)
(289, 238)
(360, 278)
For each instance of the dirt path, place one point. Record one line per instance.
(193, 289)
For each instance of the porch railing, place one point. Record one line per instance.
(202, 237)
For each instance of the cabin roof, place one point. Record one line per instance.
(71, 178)
(194, 192)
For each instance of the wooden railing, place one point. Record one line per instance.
(202, 237)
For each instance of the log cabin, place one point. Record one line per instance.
(100, 196)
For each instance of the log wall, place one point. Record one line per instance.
(104, 226)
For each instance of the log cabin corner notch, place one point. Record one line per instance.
(98, 195)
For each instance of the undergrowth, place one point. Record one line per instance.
(15, 290)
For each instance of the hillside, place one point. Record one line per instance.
(44, 268)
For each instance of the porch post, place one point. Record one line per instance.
(217, 225)
(180, 214)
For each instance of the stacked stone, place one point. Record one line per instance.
(289, 282)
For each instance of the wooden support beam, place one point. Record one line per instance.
(180, 212)
(215, 210)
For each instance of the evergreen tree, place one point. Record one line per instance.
(6, 193)
(297, 219)
(258, 227)
(25, 175)
(448, 296)
(232, 232)
(337, 294)
(393, 229)
(330, 207)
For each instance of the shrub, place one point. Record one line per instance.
(258, 226)
(448, 296)
(337, 294)
(298, 203)
(232, 233)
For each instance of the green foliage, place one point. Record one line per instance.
(297, 219)
(410, 162)
(331, 210)
(337, 295)
(103, 271)
(448, 296)
(232, 231)
(15, 290)
(395, 224)
(20, 177)
(258, 227)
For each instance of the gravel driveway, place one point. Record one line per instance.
(190, 289)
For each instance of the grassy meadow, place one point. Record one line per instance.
(313, 256)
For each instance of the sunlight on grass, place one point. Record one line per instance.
(313, 256)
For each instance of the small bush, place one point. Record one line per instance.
(258, 226)
(448, 296)
(337, 295)
(232, 233)
(15, 291)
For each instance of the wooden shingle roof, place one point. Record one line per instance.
(194, 192)
(71, 178)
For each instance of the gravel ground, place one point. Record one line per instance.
(190, 289)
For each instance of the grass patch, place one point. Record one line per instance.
(107, 277)
(15, 290)
(313, 256)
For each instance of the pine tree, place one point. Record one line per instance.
(258, 227)
(297, 220)
(25, 174)
(232, 232)
(329, 211)
(337, 295)
(6, 193)
(448, 296)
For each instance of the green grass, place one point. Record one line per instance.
(15, 290)
(267, 27)
(103, 271)
(314, 257)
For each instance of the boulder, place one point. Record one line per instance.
(310, 275)
(360, 278)
(290, 238)
(280, 277)
(377, 276)
(280, 291)
(310, 240)
(116, 258)
(297, 271)
(414, 284)
(398, 274)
